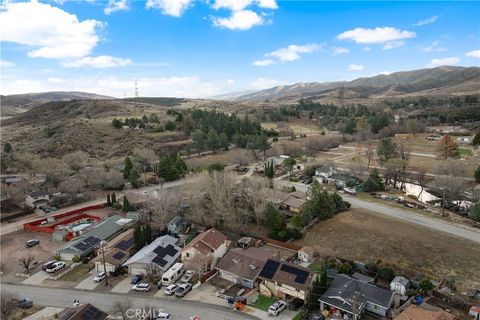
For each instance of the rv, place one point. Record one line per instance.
(173, 274)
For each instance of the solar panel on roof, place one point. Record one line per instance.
(269, 269)
(119, 255)
(125, 244)
(160, 261)
(169, 250)
(301, 275)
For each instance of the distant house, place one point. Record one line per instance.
(294, 204)
(324, 172)
(277, 161)
(404, 136)
(161, 254)
(284, 280)
(305, 254)
(149, 178)
(139, 215)
(36, 199)
(205, 249)
(421, 313)
(83, 312)
(474, 312)
(349, 298)
(341, 180)
(116, 252)
(136, 200)
(176, 225)
(400, 285)
(242, 266)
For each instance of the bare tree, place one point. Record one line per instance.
(7, 304)
(76, 160)
(162, 203)
(421, 179)
(450, 187)
(404, 152)
(112, 179)
(369, 148)
(26, 263)
(256, 193)
(144, 156)
(152, 274)
(120, 309)
(54, 169)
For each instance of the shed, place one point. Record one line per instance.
(305, 254)
(400, 285)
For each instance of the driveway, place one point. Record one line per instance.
(45, 313)
(37, 278)
(123, 286)
(88, 283)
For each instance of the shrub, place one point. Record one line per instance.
(426, 285)
(76, 259)
(386, 273)
(56, 256)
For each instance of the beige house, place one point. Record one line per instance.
(117, 251)
(36, 199)
(204, 251)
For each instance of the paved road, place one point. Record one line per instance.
(180, 309)
(462, 231)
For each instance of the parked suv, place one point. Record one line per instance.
(170, 290)
(55, 267)
(47, 265)
(277, 307)
(183, 289)
(25, 303)
(31, 243)
(144, 287)
(100, 277)
(188, 276)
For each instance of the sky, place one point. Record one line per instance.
(205, 48)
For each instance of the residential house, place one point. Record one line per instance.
(176, 225)
(84, 312)
(362, 277)
(160, 255)
(117, 252)
(305, 254)
(324, 172)
(242, 266)
(474, 312)
(341, 180)
(277, 161)
(136, 200)
(293, 204)
(349, 298)
(284, 280)
(204, 251)
(36, 199)
(139, 215)
(85, 244)
(400, 285)
(414, 312)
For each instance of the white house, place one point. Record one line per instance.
(36, 199)
(324, 172)
(204, 251)
(305, 254)
(400, 285)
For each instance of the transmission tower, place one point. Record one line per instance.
(136, 92)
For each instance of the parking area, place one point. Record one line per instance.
(124, 286)
(88, 283)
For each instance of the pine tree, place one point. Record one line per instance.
(114, 198)
(134, 177)
(109, 202)
(127, 168)
(137, 238)
(147, 234)
(126, 204)
(212, 140)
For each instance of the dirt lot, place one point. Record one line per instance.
(364, 236)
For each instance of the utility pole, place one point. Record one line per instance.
(136, 92)
(102, 246)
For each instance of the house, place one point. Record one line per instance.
(176, 225)
(242, 266)
(206, 249)
(277, 161)
(362, 277)
(117, 252)
(414, 312)
(139, 215)
(400, 285)
(474, 312)
(294, 204)
(341, 180)
(404, 136)
(36, 199)
(324, 172)
(83, 312)
(305, 254)
(85, 244)
(136, 200)
(284, 280)
(349, 298)
(160, 255)
(149, 178)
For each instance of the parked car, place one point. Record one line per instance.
(55, 267)
(163, 316)
(350, 191)
(48, 265)
(100, 277)
(276, 308)
(144, 287)
(31, 243)
(188, 276)
(136, 279)
(183, 289)
(170, 290)
(25, 303)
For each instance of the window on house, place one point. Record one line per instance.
(187, 254)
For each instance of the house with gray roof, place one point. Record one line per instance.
(160, 255)
(350, 298)
(176, 225)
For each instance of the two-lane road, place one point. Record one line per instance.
(180, 309)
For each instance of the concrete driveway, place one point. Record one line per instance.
(88, 283)
(37, 278)
(45, 313)
(123, 286)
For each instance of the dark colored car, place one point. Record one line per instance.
(136, 279)
(31, 243)
(25, 303)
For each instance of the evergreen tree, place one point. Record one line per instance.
(387, 149)
(213, 142)
(114, 198)
(171, 167)
(199, 140)
(126, 204)
(314, 294)
(289, 163)
(262, 143)
(269, 170)
(117, 124)
(147, 234)
(476, 139)
(109, 202)
(223, 141)
(137, 238)
(373, 183)
(128, 165)
(134, 177)
(7, 147)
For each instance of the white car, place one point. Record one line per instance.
(187, 276)
(100, 277)
(55, 267)
(277, 307)
(144, 287)
(163, 316)
(170, 290)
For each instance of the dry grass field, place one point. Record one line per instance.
(364, 236)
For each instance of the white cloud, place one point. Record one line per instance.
(381, 35)
(115, 5)
(426, 21)
(267, 4)
(236, 5)
(393, 45)
(473, 54)
(339, 50)
(444, 62)
(367, 49)
(6, 64)
(230, 81)
(355, 67)
(169, 7)
(264, 62)
(54, 80)
(385, 73)
(292, 52)
(434, 47)
(239, 20)
(98, 62)
(55, 33)
(263, 83)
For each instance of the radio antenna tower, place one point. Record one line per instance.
(136, 92)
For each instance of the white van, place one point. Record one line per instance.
(173, 274)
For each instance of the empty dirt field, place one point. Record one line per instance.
(364, 236)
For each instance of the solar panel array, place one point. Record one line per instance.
(87, 243)
(269, 269)
(92, 313)
(162, 252)
(160, 261)
(119, 255)
(125, 244)
(301, 275)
